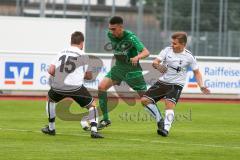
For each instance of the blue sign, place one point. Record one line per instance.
(19, 71)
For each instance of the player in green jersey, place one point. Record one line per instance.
(128, 50)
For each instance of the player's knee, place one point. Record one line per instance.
(50, 100)
(93, 104)
(169, 104)
(101, 87)
(145, 101)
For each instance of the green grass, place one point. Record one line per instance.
(201, 131)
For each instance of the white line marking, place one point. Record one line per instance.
(131, 139)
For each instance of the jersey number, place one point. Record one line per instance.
(69, 66)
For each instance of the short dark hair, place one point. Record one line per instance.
(77, 37)
(181, 36)
(116, 20)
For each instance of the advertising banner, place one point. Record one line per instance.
(220, 77)
(29, 72)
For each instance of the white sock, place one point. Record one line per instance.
(154, 111)
(93, 115)
(93, 118)
(169, 118)
(50, 110)
(85, 118)
(94, 128)
(51, 125)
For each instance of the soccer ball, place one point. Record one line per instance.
(85, 124)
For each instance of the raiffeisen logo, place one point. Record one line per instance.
(20, 73)
(191, 81)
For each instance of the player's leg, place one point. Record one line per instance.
(85, 123)
(151, 97)
(93, 118)
(136, 81)
(85, 100)
(169, 118)
(113, 77)
(104, 85)
(53, 98)
(50, 109)
(171, 100)
(151, 107)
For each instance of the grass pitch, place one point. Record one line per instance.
(201, 131)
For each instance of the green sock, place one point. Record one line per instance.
(102, 95)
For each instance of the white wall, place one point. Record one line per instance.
(122, 3)
(21, 34)
(92, 2)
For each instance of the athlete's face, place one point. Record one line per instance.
(116, 30)
(81, 45)
(177, 46)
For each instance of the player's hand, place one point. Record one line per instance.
(51, 70)
(155, 64)
(205, 90)
(160, 68)
(134, 60)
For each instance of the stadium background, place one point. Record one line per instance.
(212, 28)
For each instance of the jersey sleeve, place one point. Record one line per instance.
(162, 55)
(137, 43)
(87, 63)
(193, 63)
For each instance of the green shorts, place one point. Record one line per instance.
(132, 75)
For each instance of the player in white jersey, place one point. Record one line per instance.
(172, 62)
(68, 71)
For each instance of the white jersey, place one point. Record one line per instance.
(70, 67)
(177, 65)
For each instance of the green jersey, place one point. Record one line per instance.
(126, 47)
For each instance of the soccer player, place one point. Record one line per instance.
(173, 62)
(68, 71)
(128, 50)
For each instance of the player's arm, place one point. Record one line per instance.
(199, 80)
(157, 65)
(52, 66)
(88, 70)
(143, 54)
(157, 62)
(51, 70)
(142, 51)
